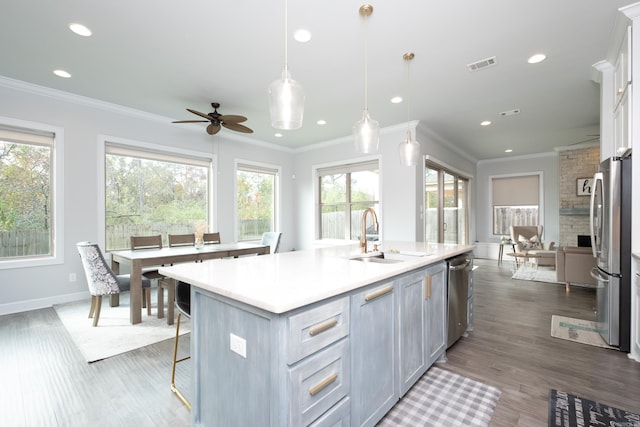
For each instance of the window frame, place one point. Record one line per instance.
(259, 167)
(134, 145)
(491, 206)
(346, 167)
(57, 197)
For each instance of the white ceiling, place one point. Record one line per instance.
(164, 56)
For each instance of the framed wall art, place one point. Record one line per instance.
(583, 187)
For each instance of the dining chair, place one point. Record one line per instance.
(271, 238)
(175, 240)
(183, 304)
(211, 238)
(101, 279)
(150, 242)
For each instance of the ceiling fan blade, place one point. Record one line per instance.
(190, 121)
(237, 127)
(212, 129)
(198, 113)
(230, 118)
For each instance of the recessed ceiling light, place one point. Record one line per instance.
(508, 150)
(396, 100)
(277, 135)
(321, 122)
(62, 73)
(538, 57)
(302, 35)
(485, 123)
(80, 30)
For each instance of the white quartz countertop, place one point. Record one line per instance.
(285, 281)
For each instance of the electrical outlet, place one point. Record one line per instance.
(238, 345)
(72, 277)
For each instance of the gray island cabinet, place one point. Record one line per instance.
(315, 338)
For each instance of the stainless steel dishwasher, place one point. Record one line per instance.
(459, 269)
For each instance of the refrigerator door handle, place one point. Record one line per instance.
(596, 275)
(594, 246)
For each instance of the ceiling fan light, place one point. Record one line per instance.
(367, 134)
(409, 151)
(286, 102)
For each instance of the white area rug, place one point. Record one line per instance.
(540, 274)
(114, 334)
(441, 398)
(577, 330)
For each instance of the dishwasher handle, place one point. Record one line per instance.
(458, 267)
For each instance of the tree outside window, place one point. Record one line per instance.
(256, 200)
(26, 202)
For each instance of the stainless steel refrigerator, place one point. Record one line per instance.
(610, 221)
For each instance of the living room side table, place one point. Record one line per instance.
(501, 251)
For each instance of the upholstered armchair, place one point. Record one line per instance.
(528, 240)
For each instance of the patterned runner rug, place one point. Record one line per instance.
(444, 399)
(567, 410)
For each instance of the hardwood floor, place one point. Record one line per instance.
(45, 381)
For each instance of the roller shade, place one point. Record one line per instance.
(516, 191)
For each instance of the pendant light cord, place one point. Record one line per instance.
(408, 93)
(366, 62)
(286, 30)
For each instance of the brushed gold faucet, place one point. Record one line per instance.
(363, 235)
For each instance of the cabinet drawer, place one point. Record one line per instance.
(314, 329)
(338, 416)
(319, 382)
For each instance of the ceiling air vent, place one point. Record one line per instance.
(482, 64)
(510, 112)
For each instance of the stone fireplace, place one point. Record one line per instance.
(574, 208)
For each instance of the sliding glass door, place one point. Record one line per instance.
(446, 206)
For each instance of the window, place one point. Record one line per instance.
(446, 205)
(345, 192)
(30, 178)
(256, 200)
(515, 201)
(151, 192)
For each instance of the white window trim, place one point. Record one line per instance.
(316, 194)
(57, 197)
(103, 140)
(278, 189)
(540, 175)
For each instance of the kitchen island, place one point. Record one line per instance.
(314, 337)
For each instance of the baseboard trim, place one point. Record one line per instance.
(38, 303)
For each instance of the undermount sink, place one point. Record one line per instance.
(378, 257)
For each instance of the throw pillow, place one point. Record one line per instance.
(532, 243)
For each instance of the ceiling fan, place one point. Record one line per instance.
(231, 122)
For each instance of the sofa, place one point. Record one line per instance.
(573, 265)
(528, 240)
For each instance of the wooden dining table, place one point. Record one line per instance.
(138, 259)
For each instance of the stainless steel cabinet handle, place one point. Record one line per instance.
(378, 293)
(321, 328)
(323, 384)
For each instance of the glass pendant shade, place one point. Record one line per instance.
(409, 151)
(286, 102)
(367, 134)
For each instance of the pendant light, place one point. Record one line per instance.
(366, 130)
(286, 97)
(408, 149)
